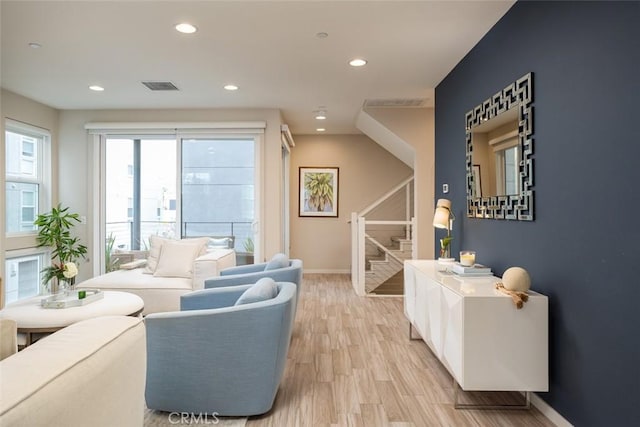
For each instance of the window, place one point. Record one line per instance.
(140, 179)
(215, 195)
(28, 158)
(23, 276)
(27, 190)
(187, 181)
(218, 187)
(507, 170)
(29, 208)
(25, 182)
(129, 208)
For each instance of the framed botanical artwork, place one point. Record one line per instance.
(318, 195)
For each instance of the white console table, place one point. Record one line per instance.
(477, 333)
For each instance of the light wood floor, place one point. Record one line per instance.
(351, 364)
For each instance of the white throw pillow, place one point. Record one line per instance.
(154, 253)
(176, 258)
(157, 242)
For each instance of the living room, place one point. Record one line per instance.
(584, 60)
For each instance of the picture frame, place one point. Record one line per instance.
(477, 184)
(318, 191)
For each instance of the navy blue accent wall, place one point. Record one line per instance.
(583, 248)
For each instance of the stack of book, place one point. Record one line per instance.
(474, 270)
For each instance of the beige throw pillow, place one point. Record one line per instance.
(154, 253)
(156, 243)
(177, 256)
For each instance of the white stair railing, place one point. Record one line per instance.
(359, 236)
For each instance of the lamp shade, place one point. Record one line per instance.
(442, 214)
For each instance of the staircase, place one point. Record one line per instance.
(380, 246)
(384, 275)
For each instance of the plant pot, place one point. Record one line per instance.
(244, 258)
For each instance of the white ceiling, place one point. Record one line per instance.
(268, 48)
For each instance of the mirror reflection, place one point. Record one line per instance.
(496, 155)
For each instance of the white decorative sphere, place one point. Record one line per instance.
(516, 279)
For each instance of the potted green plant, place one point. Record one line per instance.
(445, 243)
(246, 257)
(54, 231)
(111, 263)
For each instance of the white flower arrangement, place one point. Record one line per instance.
(69, 270)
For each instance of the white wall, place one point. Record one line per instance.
(19, 108)
(367, 171)
(76, 154)
(416, 127)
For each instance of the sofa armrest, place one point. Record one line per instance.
(210, 265)
(99, 362)
(8, 338)
(211, 298)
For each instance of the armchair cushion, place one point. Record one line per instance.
(264, 289)
(277, 261)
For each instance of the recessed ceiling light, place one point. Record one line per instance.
(320, 129)
(35, 45)
(96, 88)
(231, 87)
(358, 62)
(321, 115)
(186, 28)
(322, 35)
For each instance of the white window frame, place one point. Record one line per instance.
(42, 179)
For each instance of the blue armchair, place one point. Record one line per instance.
(214, 356)
(280, 268)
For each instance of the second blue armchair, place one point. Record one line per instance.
(279, 268)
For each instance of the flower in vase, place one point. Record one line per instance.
(69, 270)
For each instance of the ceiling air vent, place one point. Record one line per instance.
(396, 102)
(160, 85)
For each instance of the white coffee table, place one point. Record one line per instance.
(34, 319)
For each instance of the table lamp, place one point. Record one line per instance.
(443, 218)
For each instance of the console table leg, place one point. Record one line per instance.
(456, 389)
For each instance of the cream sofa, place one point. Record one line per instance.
(91, 373)
(161, 292)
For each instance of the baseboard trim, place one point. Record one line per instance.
(322, 271)
(549, 412)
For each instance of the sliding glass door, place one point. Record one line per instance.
(140, 191)
(180, 187)
(218, 181)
